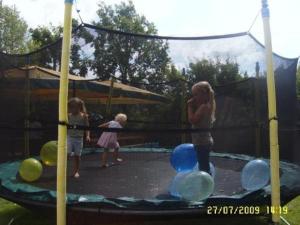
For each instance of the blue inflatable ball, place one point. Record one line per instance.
(175, 183)
(255, 175)
(196, 186)
(184, 158)
(211, 168)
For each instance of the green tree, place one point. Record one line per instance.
(134, 59)
(43, 35)
(173, 74)
(79, 61)
(12, 30)
(228, 72)
(202, 70)
(177, 91)
(46, 36)
(214, 71)
(50, 57)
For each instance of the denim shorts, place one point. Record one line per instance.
(75, 144)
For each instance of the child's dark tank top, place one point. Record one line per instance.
(203, 138)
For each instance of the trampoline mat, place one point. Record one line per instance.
(141, 175)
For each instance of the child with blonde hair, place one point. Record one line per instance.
(77, 115)
(109, 140)
(201, 114)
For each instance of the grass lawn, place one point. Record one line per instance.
(12, 214)
(293, 216)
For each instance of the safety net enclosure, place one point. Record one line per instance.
(33, 90)
(149, 78)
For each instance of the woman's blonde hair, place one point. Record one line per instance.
(205, 89)
(121, 117)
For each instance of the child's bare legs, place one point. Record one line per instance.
(75, 145)
(76, 166)
(104, 158)
(116, 156)
(70, 149)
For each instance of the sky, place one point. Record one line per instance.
(187, 17)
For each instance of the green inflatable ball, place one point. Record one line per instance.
(49, 153)
(30, 170)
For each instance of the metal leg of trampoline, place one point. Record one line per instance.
(270, 222)
(284, 220)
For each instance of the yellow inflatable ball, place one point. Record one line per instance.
(49, 153)
(30, 169)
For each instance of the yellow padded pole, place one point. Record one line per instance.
(63, 116)
(273, 124)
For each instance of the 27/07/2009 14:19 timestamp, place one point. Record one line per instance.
(245, 210)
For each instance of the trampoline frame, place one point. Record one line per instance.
(159, 211)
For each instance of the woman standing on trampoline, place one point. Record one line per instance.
(201, 114)
(108, 140)
(77, 116)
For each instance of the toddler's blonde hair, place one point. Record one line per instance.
(121, 117)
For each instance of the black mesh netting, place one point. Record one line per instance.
(149, 78)
(165, 66)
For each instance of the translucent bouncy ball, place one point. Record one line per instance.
(49, 153)
(211, 168)
(176, 182)
(184, 158)
(30, 169)
(196, 186)
(255, 175)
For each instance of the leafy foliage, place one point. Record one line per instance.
(215, 72)
(50, 56)
(133, 59)
(12, 30)
(43, 36)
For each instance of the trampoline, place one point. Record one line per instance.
(139, 185)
